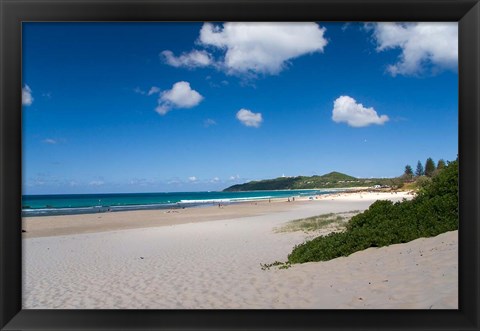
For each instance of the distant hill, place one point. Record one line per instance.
(330, 180)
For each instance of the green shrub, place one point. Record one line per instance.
(423, 181)
(433, 211)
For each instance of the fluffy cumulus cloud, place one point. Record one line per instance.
(347, 110)
(181, 95)
(262, 47)
(192, 179)
(423, 45)
(252, 48)
(193, 59)
(27, 98)
(249, 118)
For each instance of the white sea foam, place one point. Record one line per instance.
(226, 200)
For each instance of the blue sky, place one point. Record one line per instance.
(160, 107)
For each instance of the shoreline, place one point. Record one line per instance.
(210, 263)
(58, 225)
(213, 261)
(27, 211)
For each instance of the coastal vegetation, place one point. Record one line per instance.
(330, 180)
(340, 180)
(433, 211)
(336, 221)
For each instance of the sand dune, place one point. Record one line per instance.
(216, 264)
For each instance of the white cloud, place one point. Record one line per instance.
(345, 26)
(27, 98)
(53, 141)
(262, 47)
(193, 59)
(192, 179)
(423, 45)
(209, 122)
(50, 141)
(153, 90)
(248, 118)
(175, 180)
(42, 179)
(252, 48)
(138, 90)
(36, 182)
(141, 182)
(96, 183)
(180, 96)
(215, 180)
(236, 177)
(347, 110)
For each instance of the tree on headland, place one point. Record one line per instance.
(441, 164)
(429, 167)
(408, 172)
(419, 172)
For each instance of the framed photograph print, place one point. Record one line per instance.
(239, 165)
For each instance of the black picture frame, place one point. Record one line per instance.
(14, 12)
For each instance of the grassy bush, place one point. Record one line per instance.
(433, 211)
(319, 222)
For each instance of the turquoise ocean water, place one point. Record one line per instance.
(69, 204)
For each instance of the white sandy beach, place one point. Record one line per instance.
(210, 258)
